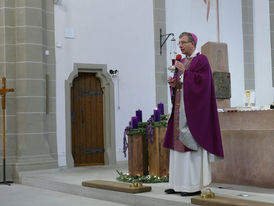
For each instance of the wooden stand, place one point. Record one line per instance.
(115, 186)
(158, 155)
(3, 92)
(137, 155)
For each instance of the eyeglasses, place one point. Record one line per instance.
(183, 43)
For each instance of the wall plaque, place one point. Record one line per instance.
(222, 85)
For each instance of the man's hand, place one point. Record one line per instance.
(171, 82)
(180, 67)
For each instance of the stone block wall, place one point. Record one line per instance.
(160, 60)
(26, 33)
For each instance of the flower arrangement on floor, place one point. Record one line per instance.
(125, 177)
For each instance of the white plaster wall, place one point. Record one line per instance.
(262, 53)
(231, 33)
(119, 34)
(190, 15)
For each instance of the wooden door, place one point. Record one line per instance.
(87, 120)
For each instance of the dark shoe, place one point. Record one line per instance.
(186, 194)
(171, 191)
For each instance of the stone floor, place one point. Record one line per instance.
(68, 181)
(21, 195)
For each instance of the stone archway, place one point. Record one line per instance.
(109, 120)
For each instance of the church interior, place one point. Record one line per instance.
(86, 102)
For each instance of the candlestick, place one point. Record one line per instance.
(139, 115)
(134, 122)
(161, 108)
(156, 115)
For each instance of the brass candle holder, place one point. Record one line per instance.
(207, 193)
(136, 184)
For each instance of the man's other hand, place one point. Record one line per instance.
(171, 81)
(180, 67)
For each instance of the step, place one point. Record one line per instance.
(70, 181)
(155, 197)
(227, 201)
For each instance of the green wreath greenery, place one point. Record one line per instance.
(142, 124)
(137, 131)
(159, 124)
(123, 177)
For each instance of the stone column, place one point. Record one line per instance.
(160, 60)
(8, 70)
(29, 65)
(248, 37)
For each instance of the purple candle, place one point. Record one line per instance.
(134, 122)
(156, 115)
(139, 115)
(161, 108)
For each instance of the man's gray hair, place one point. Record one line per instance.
(189, 36)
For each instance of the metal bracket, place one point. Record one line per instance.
(91, 151)
(163, 42)
(87, 93)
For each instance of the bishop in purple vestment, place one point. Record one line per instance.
(193, 134)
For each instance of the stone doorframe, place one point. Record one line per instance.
(108, 110)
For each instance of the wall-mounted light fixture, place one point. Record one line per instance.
(113, 73)
(162, 42)
(57, 2)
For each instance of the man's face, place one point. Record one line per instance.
(186, 46)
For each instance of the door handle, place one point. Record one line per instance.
(73, 117)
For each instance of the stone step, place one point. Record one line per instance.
(226, 201)
(69, 180)
(23, 195)
(140, 199)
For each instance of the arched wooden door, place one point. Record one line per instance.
(87, 120)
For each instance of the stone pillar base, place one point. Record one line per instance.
(28, 163)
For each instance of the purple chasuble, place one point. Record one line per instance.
(200, 108)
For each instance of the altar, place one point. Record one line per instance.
(248, 141)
